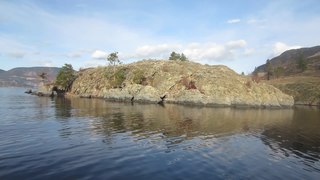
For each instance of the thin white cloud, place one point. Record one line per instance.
(209, 52)
(248, 52)
(252, 21)
(233, 21)
(236, 44)
(280, 47)
(200, 52)
(156, 51)
(13, 48)
(98, 54)
(17, 54)
(77, 53)
(74, 54)
(46, 63)
(93, 63)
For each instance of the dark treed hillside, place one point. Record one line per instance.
(304, 61)
(26, 76)
(297, 73)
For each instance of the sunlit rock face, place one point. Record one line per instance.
(181, 82)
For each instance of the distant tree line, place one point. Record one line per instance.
(301, 65)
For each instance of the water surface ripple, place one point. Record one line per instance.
(44, 138)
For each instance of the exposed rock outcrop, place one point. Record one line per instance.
(181, 82)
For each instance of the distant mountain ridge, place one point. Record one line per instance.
(288, 62)
(295, 72)
(26, 76)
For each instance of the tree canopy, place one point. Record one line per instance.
(113, 59)
(177, 57)
(65, 77)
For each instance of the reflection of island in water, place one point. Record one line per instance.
(295, 130)
(63, 107)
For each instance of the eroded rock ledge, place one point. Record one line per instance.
(181, 82)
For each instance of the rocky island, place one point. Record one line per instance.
(181, 82)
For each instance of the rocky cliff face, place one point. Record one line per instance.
(181, 82)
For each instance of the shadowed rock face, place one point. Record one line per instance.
(181, 82)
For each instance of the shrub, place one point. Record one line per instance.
(192, 85)
(138, 77)
(117, 78)
(120, 76)
(189, 84)
(248, 84)
(255, 78)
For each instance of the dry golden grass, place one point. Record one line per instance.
(304, 89)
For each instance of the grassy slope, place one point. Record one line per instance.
(304, 89)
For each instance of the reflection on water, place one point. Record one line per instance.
(298, 137)
(281, 129)
(176, 120)
(73, 138)
(63, 107)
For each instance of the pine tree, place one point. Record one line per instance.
(65, 77)
(183, 57)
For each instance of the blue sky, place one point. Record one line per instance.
(241, 34)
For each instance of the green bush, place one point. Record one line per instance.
(138, 77)
(117, 78)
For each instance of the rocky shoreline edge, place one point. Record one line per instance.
(186, 103)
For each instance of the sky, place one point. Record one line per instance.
(241, 34)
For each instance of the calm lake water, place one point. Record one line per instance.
(44, 138)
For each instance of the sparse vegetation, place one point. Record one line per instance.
(138, 77)
(301, 64)
(116, 79)
(268, 69)
(248, 84)
(278, 71)
(255, 77)
(189, 84)
(304, 89)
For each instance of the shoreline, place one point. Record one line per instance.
(184, 103)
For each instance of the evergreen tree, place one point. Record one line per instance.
(183, 57)
(268, 69)
(113, 59)
(65, 77)
(174, 56)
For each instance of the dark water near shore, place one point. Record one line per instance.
(43, 138)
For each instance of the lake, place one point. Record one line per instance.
(74, 138)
